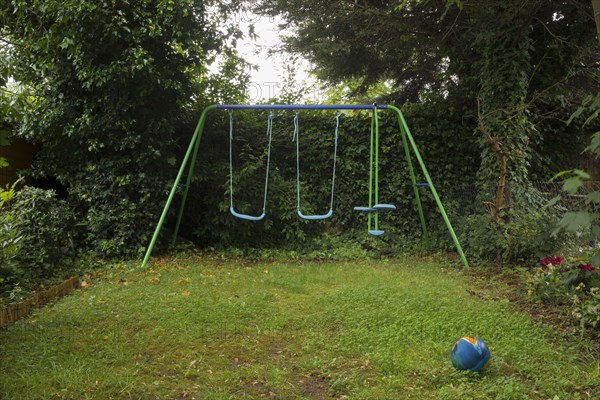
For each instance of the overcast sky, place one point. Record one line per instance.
(267, 80)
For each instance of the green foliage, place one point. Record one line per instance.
(47, 223)
(11, 241)
(36, 236)
(12, 102)
(480, 238)
(11, 249)
(113, 83)
(524, 237)
(585, 221)
(510, 69)
(558, 282)
(587, 308)
(568, 282)
(208, 222)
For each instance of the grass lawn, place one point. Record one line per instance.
(204, 328)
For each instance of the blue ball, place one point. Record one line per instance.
(470, 353)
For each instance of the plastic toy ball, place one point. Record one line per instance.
(470, 353)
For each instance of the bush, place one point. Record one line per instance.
(47, 224)
(571, 282)
(526, 236)
(586, 308)
(11, 247)
(36, 237)
(523, 236)
(114, 83)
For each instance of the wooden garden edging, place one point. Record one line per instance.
(14, 312)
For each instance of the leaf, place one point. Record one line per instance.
(552, 201)
(576, 221)
(595, 235)
(573, 184)
(576, 114)
(561, 173)
(569, 278)
(596, 261)
(594, 147)
(593, 197)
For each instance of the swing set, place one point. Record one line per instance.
(372, 209)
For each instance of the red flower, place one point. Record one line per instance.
(558, 260)
(587, 267)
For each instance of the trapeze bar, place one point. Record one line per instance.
(300, 106)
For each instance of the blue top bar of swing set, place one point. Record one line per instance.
(300, 106)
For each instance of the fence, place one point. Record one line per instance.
(14, 312)
(469, 199)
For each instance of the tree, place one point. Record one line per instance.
(516, 65)
(113, 82)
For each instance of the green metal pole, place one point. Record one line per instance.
(371, 168)
(199, 130)
(429, 181)
(376, 165)
(195, 139)
(415, 188)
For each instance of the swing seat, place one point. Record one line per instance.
(376, 232)
(364, 209)
(423, 184)
(246, 216)
(231, 209)
(316, 217)
(296, 138)
(384, 207)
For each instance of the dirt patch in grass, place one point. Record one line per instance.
(258, 388)
(312, 385)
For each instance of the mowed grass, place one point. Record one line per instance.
(205, 328)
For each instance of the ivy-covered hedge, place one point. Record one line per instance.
(450, 161)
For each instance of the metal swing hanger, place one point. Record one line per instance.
(231, 207)
(373, 222)
(297, 139)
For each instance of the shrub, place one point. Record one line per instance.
(586, 308)
(11, 247)
(113, 83)
(11, 241)
(525, 236)
(36, 231)
(572, 282)
(47, 224)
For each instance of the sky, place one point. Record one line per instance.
(267, 80)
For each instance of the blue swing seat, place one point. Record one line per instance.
(316, 217)
(364, 209)
(246, 216)
(384, 207)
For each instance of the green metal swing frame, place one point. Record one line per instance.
(408, 142)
